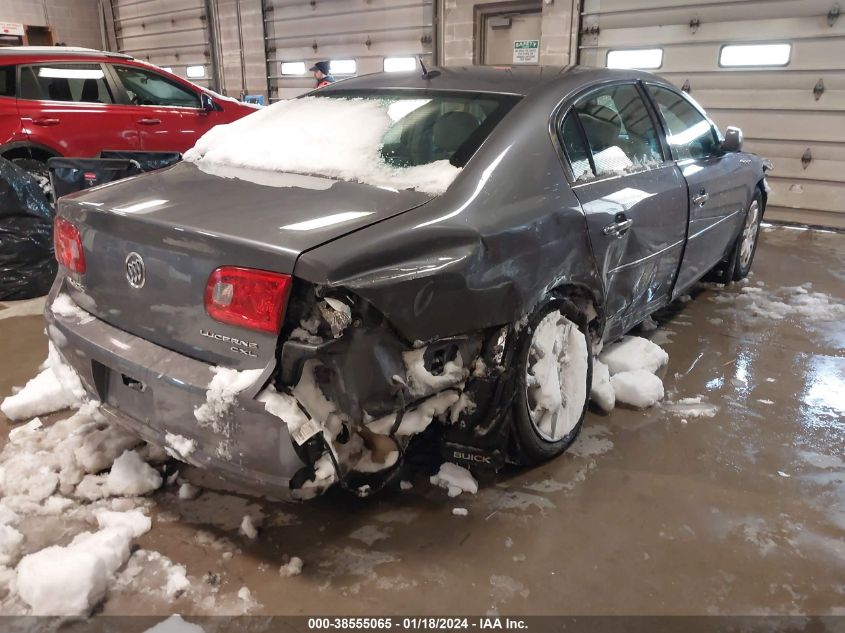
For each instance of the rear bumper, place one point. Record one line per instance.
(249, 446)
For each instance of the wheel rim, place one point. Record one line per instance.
(749, 234)
(556, 377)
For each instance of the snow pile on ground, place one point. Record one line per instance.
(291, 568)
(222, 393)
(625, 372)
(337, 138)
(131, 476)
(800, 302)
(57, 387)
(455, 479)
(70, 580)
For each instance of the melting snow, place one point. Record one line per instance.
(633, 352)
(292, 568)
(637, 387)
(222, 394)
(57, 387)
(455, 479)
(337, 138)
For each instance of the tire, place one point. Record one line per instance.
(542, 432)
(747, 240)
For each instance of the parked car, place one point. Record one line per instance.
(60, 101)
(454, 255)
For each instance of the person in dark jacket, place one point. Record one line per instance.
(321, 74)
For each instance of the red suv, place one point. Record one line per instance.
(57, 101)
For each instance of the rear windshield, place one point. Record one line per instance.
(429, 126)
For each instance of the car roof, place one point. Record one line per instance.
(518, 80)
(57, 51)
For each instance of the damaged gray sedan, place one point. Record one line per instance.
(396, 261)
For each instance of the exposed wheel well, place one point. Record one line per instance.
(29, 151)
(763, 193)
(586, 303)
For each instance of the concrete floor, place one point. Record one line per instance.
(651, 512)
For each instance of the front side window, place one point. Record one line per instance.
(688, 133)
(80, 83)
(619, 130)
(7, 81)
(146, 87)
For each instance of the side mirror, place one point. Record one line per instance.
(207, 103)
(733, 140)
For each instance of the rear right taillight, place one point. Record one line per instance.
(68, 246)
(254, 299)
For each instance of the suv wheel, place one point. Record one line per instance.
(553, 384)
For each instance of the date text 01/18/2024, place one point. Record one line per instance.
(417, 623)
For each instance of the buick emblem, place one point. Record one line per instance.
(135, 270)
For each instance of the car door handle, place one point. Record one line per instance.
(701, 199)
(618, 228)
(149, 121)
(46, 121)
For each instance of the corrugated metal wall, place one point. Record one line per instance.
(364, 30)
(169, 33)
(775, 107)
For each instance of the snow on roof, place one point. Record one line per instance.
(337, 138)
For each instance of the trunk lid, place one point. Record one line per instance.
(184, 223)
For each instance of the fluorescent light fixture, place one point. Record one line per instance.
(343, 67)
(644, 58)
(70, 73)
(293, 68)
(326, 220)
(194, 72)
(755, 55)
(399, 64)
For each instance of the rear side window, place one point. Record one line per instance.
(619, 130)
(688, 133)
(81, 83)
(7, 81)
(573, 144)
(145, 87)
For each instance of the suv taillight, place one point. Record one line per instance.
(68, 246)
(254, 299)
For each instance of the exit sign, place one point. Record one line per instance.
(526, 51)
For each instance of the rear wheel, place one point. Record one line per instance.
(555, 369)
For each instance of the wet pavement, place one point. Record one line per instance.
(731, 505)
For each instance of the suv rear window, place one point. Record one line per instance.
(432, 125)
(7, 81)
(81, 83)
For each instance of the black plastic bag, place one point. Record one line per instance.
(27, 265)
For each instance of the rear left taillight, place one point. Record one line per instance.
(254, 299)
(68, 246)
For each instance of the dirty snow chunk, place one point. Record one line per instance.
(601, 392)
(188, 491)
(691, 408)
(175, 624)
(416, 420)
(247, 528)
(10, 545)
(783, 474)
(633, 352)
(178, 446)
(17, 434)
(177, 581)
(245, 594)
(314, 136)
(57, 387)
(71, 580)
(130, 476)
(292, 568)
(223, 391)
(64, 306)
(460, 512)
(7, 515)
(421, 382)
(405, 485)
(455, 479)
(637, 388)
(135, 521)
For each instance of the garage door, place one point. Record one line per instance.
(172, 34)
(357, 35)
(792, 112)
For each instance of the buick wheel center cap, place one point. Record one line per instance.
(135, 273)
